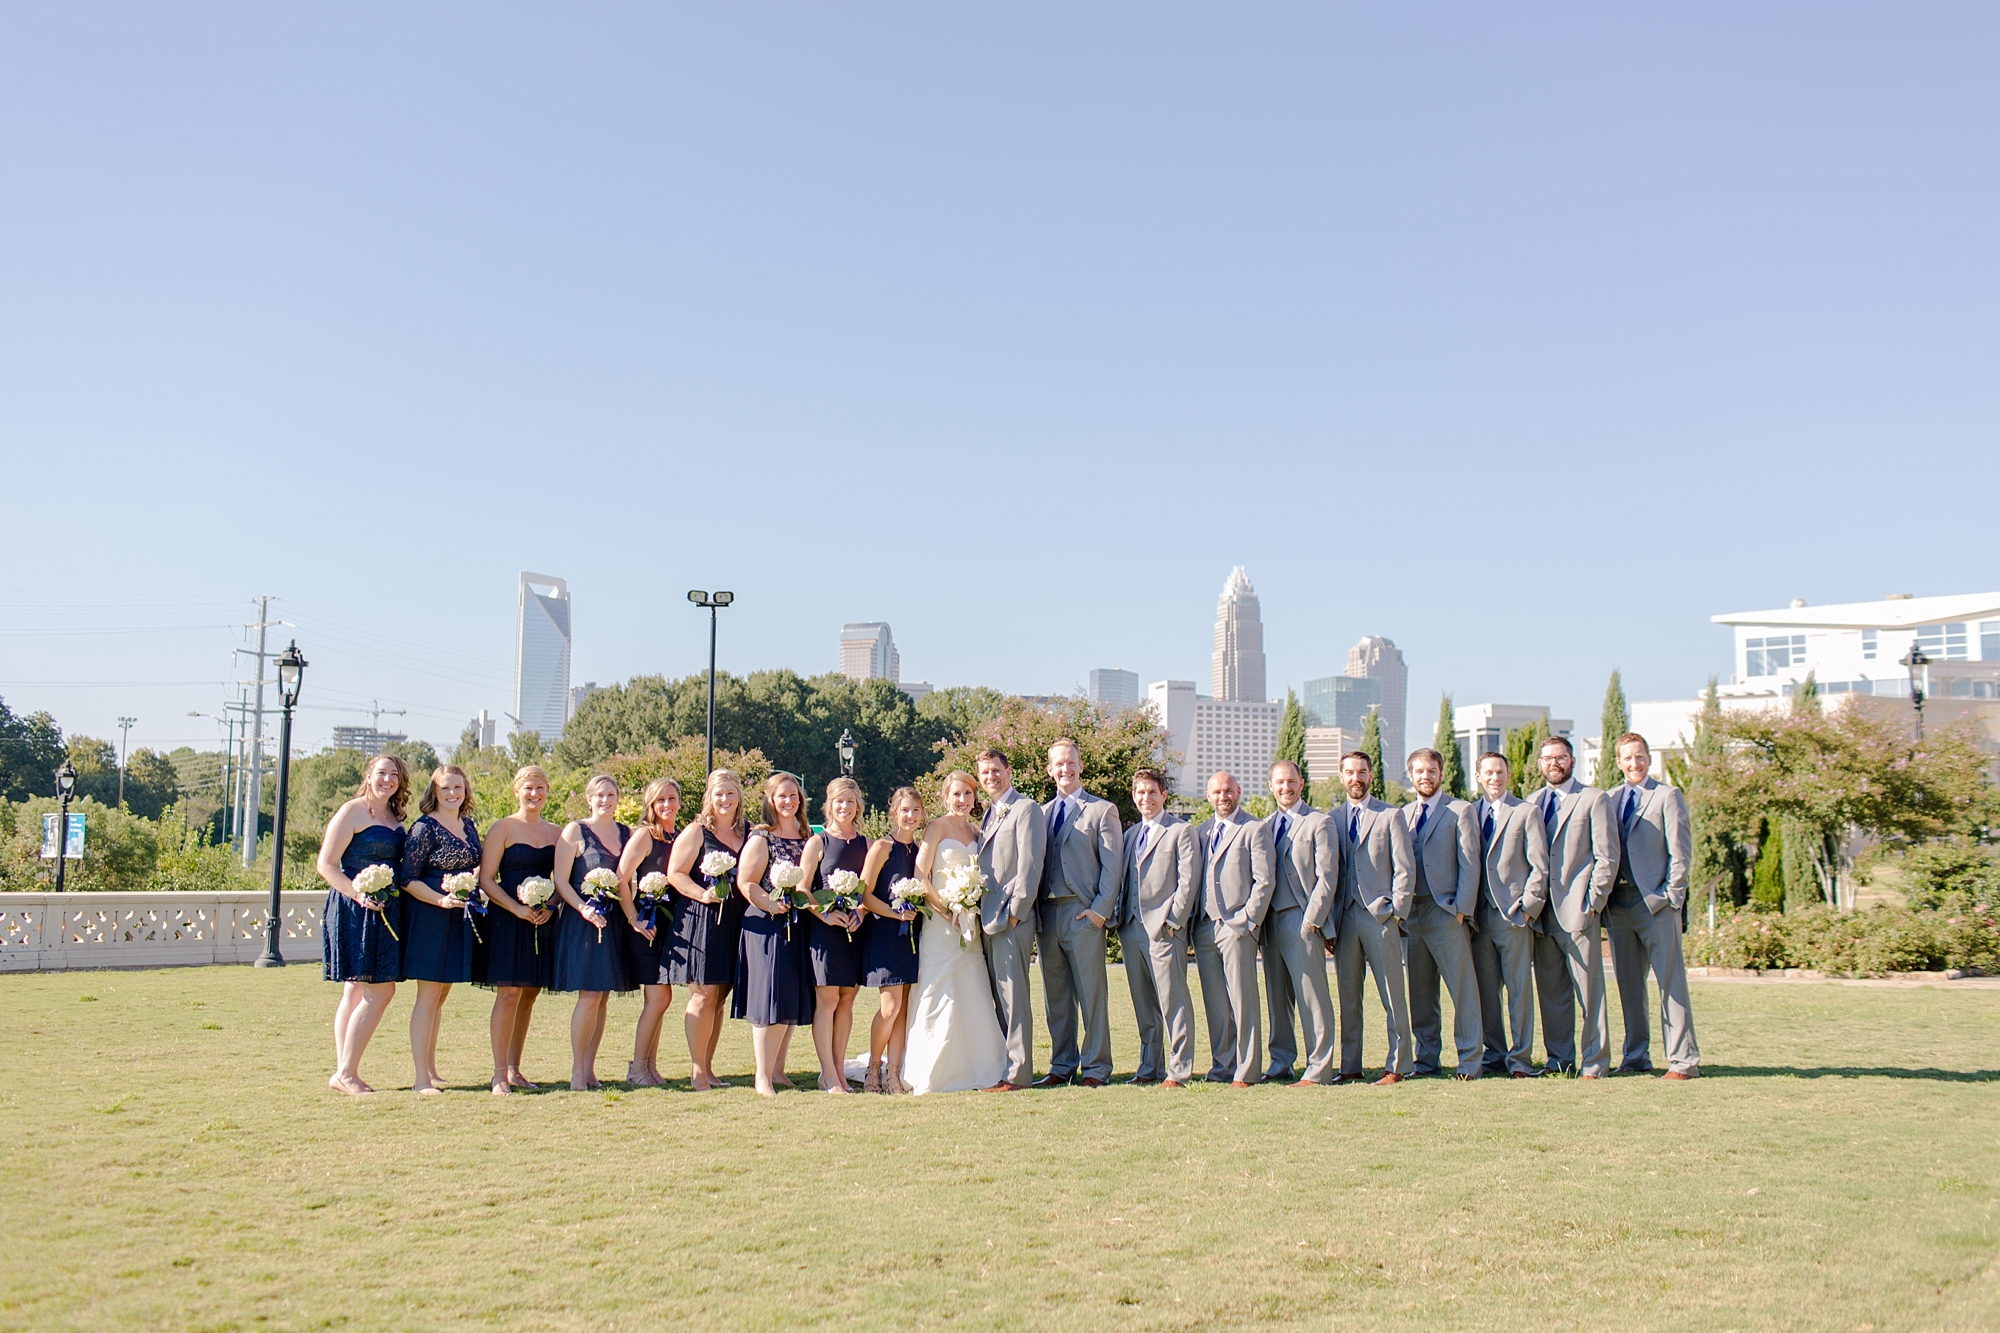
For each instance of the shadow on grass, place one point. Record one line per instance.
(1709, 1071)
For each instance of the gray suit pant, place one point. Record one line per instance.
(1503, 954)
(1156, 970)
(1074, 978)
(1643, 941)
(1215, 1003)
(1378, 945)
(1295, 975)
(1007, 970)
(1439, 948)
(1569, 964)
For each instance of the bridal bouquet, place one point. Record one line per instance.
(842, 893)
(600, 890)
(535, 892)
(651, 893)
(963, 888)
(785, 879)
(462, 890)
(377, 883)
(907, 895)
(717, 866)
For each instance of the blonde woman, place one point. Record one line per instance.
(955, 1040)
(358, 939)
(649, 922)
(518, 958)
(833, 953)
(702, 953)
(438, 932)
(889, 940)
(590, 956)
(770, 962)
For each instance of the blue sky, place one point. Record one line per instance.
(1528, 336)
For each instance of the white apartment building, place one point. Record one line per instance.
(1324, 746)
(1211, 735)
(1483, 727)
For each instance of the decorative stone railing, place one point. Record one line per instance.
(54, 932)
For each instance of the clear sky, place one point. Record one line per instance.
(1528, 336)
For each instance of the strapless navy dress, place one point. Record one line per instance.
(514, 952)
(771, 983)
(643, 958)
(889, 946)
(833, 954)
(437, 941)
(703, 949)
(589, 959)
(355, 943)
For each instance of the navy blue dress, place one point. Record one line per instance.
(771, 984)
(834, 955)
(355, 943)
(587, 958)
(889, 946)
(437, 941)
(642, 959)
(515, 953)
(703, 949)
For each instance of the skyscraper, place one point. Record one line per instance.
(1236, 672)
(541, 656)
(1376, 658)
(1115, 689)
(868, 652)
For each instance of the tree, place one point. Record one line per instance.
(1523, 748)
(119, 849)
(152, 783)
(31, 750)
(685, 762)
(1616, 721)
(1445, 741)
(1371, 745)
(1767, 880)
(96, 765)
(1721, 859)
(1805, 699)
(1113, 746)
(1292, 738)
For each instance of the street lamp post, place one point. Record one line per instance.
(290, 668)
(846, 746)
(65, 788)
(124, 736)
(1918, 666)
(714, 602)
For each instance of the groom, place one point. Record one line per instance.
(1012, 841)
(1079, 894)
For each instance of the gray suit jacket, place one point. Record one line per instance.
(1448, 853)
(1085, 862)
(1161, 884)
(1307, 865)
(1011, 844)
(1235, 871)
(1516, 860)
(1659, 845)
(1583, 854)
(1378, 862)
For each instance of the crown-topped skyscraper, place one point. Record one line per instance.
(1237, 669)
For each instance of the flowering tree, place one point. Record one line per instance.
(1113, 745)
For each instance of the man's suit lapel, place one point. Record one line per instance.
(1567, 804)
(1160, 835)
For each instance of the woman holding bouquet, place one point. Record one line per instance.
(832, 951)
(649, 921)
(518, 958)
(770, 968)
(590, 958)
(437, 929)
(702, 953)
(357, 936)
(889, 939)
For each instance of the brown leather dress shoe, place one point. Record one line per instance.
(1307, 1083)
(1592, 1076)
(1091, 1082)
(1003, 1086)
(1681, 1076)
(1049, 1081)
(1238, 1083)
(1522, 1073)
(1172, 1083)
(1387, 1079)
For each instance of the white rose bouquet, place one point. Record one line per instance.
(600, 890)
(842, 893)
(462, 890)
(535, 892)
(651, 893)
(377, 883)
(907, 895)
(785, 879)
(718, 866)
(963, 888)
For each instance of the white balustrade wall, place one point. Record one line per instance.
(55, 932)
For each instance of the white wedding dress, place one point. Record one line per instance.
(955, 1041)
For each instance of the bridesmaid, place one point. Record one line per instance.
(356, 941)
(518, 958)
(834, 954)
(649, 922)
(889, 940)
(590, 956)
(437, 934)
(707, 919)
(770, 969)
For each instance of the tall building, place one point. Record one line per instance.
(868, 652)
(1236, 673)
(1376, 658)
(366, 740)
(1239, 735)
(1339, 701)
(541, 656)
(1114, 689)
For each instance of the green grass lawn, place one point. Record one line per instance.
(177, 1161)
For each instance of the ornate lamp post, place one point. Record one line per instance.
(846, 747)
(1918, 666)
(290, 668)
(65, 788)
(714, 602)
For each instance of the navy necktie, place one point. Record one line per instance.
(1354, 824)
(1423, 813)
(1139, 847)
(1631, 808)
(1062, 812)
(1549, 809)
(1283, 826)
(1487, 828)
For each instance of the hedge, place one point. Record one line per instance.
(1959, 935)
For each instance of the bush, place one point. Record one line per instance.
(1942, 873)
(119, 850)
(1959, 934)
(190, 861)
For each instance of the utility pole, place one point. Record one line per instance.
(254, 795)
(124, 735)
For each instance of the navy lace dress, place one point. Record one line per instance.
(355, 942)
(703, 949)
(771, 984)
(437, 941)
(592, 958)
(515, 953)
(889, 946)
(834, 955)
(642, 958)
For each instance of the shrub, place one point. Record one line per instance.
(119, 850)
(1960, 934)
(1937, 871)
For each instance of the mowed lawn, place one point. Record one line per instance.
(175, 1160)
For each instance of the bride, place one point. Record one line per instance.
(955, 1041)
